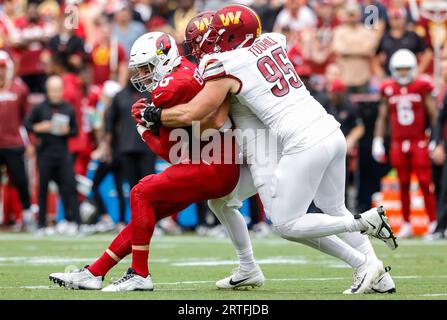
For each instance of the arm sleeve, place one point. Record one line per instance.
(154, 143)
(213, 69)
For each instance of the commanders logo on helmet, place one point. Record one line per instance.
(163, 44)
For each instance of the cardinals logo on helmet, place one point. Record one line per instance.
(163, 44)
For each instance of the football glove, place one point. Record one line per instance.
(152, 115)
(137, 110)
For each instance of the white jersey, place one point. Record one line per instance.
(270, 87)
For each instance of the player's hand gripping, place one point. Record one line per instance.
(146, 114)
(137, 110)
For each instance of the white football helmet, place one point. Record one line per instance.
(153, 56)
(403, 59)
(5, 59)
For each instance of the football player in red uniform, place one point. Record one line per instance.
(407, 105)
(172, 79)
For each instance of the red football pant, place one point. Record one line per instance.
(154, 197)
(408, 157)
(158, 196)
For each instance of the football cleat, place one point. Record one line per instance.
(383, 284)
(364, 276)
(377, 226)
(131, 281)
(241, 278)
(79, 279)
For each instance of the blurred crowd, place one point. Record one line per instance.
(69, 58)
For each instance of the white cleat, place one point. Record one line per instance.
(80, 279)
(240, 278)
(383, 284)
(131, 282)
(377, 226)
(405, 231)
(365, 275)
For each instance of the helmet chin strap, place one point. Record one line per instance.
(248, 37)
(205, 36)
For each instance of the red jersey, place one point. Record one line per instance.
(29, 61)
(408, 116)
(176, 88)
(13, 108)
(101, 59)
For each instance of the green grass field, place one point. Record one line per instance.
(186, 267)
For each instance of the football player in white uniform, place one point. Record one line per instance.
(255, 68)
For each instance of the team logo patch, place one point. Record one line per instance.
(163, 44)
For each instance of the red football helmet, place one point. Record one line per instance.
(234, 26)
(195, 31)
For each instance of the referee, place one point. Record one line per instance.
(53, 121)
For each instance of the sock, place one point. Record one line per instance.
(140, 262)
(143, 224)
(335, 247)
(236, 227)
(120, 247)
(360, 242)
(246, 259)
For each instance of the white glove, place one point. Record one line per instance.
(378, 150)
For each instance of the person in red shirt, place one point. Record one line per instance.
(408, 106)
(171, 79)
(13, 108)
(108, 58)
(32, 34)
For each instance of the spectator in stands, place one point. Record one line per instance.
(144, 9)
(53, 121)
(182, 15)
(136, 158)
(108, 57)
(161, 18)
(295, 17)
(316, 43)
(7, 23)
(13, 140)
(125, 29)
(67, 47)
(354, 46)
(399, 37)
(268, 11)
(29, 41)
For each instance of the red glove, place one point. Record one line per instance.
(137, 109)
